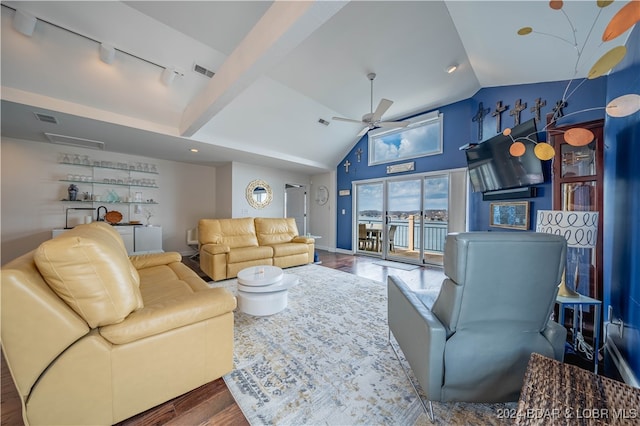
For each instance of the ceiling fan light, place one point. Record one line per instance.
(578, 136)
(24, 22)
(624, 105)
(107, 53)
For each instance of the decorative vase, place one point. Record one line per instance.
(73, 195)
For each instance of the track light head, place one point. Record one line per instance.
(107, 53)
(24, 22)
(168, 75)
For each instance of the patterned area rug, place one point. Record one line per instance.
(326, 360)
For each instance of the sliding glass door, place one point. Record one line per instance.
(407, 219)
(369, 217)
(404, 220)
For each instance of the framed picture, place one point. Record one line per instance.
(510, 214)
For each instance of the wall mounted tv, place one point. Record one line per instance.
(492, 167)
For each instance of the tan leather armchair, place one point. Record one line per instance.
(93, 337)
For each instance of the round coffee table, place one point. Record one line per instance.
(263, 290)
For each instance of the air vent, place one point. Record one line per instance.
(72, 141)
(46, 118)
(202, 70)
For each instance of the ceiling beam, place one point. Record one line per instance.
(283, 27)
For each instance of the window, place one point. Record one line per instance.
(421, 138)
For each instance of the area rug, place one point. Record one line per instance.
(396, 265)
(326, 360)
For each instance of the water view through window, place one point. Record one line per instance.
(416, 218)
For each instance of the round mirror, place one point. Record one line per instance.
(322, 195)
(259, 194)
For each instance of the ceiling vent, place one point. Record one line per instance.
(77, 142)
(46, 118)
(202, 70)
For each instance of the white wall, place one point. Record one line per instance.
(322, 218)
(224, 191)
(31, 190)
(243, 174)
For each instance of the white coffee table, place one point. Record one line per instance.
(263, 290)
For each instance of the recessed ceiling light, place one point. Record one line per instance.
(451, 68)
(193, 150)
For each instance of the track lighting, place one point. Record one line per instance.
(24, 22)
(107, 53)
(168, 75)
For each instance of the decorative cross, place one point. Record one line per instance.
(515, 112)
(536, 108)
(498, 114)
(557, 110)
(346, 166)
(479, 117)
(359, 153)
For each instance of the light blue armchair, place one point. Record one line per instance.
(492, 312)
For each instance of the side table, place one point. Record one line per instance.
(579, 302)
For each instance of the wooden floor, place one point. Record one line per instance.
(212, 403)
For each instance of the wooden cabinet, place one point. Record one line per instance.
(578, 186)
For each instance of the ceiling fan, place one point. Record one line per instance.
(373, 119)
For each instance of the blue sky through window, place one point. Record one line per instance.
(422, 139)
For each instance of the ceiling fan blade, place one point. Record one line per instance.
(363, 131)
(383, 106)
(392, 124)
(348, 120)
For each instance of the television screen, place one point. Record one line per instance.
(492, 167)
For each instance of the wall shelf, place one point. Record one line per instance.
(131, 185)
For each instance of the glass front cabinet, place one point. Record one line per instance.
(577, 186)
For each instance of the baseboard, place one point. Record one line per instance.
(343, 251)
(621, 364)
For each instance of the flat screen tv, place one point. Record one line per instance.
(492, 167)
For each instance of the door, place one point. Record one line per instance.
(369, 217)
(436, 218)
(295, 205)
(419, 212)
(404, 220)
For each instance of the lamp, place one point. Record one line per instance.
(580, 228)
(168, 75)
(24, 22)
(107, 53)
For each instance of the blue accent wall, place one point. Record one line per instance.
(621, 219)
(459, 129)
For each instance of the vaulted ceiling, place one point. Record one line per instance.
(279, 68)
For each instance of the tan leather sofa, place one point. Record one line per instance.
(229, 245)
(93, 337)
